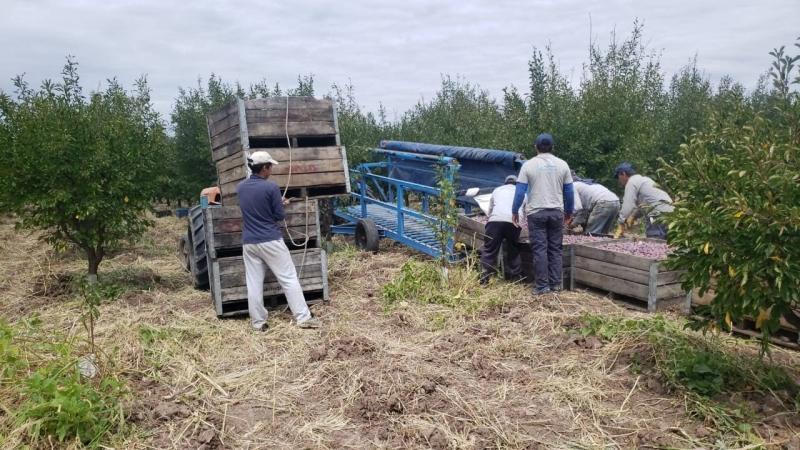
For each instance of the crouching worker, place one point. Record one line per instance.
(499, 229)
(642, 196)
(263, 247)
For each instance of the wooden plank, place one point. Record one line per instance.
(231, 149)
(669, 291)
(611, 284)
(238, 279)
(230, 162)
(293, 220)
(274, 288)
(233, 212)
(310, 179)
(316, 113)
(238, 173)
(635, 262)
(298, 234)
(612, 270)
(669, 277)
(295, 103)
(303, 153)
(233, 264)
(225, 137)
(223, 112)
(224, 124)
(315, 128)
(316, 166)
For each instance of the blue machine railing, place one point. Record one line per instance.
(391, 195)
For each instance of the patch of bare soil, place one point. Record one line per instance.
(515, 374)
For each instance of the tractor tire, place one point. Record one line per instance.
(198, 264)
(367, 236)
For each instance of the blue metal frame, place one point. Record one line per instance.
(392, 201)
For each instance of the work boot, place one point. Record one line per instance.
(541, 291)
(310, 323)
(262, 328)
(485, 279)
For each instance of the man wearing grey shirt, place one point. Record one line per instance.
(643, 196)
(547, 180)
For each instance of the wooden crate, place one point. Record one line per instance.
(229, 287)
(640, 279)
(302, 219)
(314, 166)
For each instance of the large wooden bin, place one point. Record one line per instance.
(301, 227)
(646, 281)
(314, 166)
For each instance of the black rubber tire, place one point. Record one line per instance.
(198, 265)
(367, 237)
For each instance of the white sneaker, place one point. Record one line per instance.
(310, 323)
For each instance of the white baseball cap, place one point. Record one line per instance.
(260, 157)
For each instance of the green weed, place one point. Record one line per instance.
(49, 398)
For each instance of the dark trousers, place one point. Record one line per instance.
(496, 234)
(546, 231)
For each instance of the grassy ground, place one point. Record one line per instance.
(401, 362)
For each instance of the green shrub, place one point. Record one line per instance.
(46, 394)
(736, 225)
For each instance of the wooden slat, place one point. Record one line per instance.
(669, 277)
(226, 137)
(669, 291)
(233, 212)
(316, 128)
(228, 190)
(236, 174)
(303, 153)
(270, 289)
(230, 162)
(293, 220)
(611, 270)
(297, 233)
(611, 284)
(310, 179)
(224, 124)
(235, 264)
(318, 166)
(223, 112)
(230, 149)
(608, 256)
(295, 103)
(323, 113)
(240, 279)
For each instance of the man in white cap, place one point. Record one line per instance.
(501, 229)
(262, 212)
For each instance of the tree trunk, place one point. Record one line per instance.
(94, 259)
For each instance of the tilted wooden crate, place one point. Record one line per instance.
(314, 166)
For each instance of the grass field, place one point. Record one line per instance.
(400, 362)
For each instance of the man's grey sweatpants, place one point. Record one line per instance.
(275, 256)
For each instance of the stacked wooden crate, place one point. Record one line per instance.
(301, 133)
(305, 142)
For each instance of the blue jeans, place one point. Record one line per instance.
(546, 231)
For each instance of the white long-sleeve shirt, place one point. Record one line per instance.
(590, 194)
(641, 191)
(501, 203)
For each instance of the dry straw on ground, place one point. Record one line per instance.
(509, 374)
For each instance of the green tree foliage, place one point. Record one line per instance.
(192, 167)
(737, 220)
(359, 131)
(81, 169)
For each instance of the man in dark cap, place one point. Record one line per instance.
(499, 229)
(547, 181)
(642, 197)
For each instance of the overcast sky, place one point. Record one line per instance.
(393, 52)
